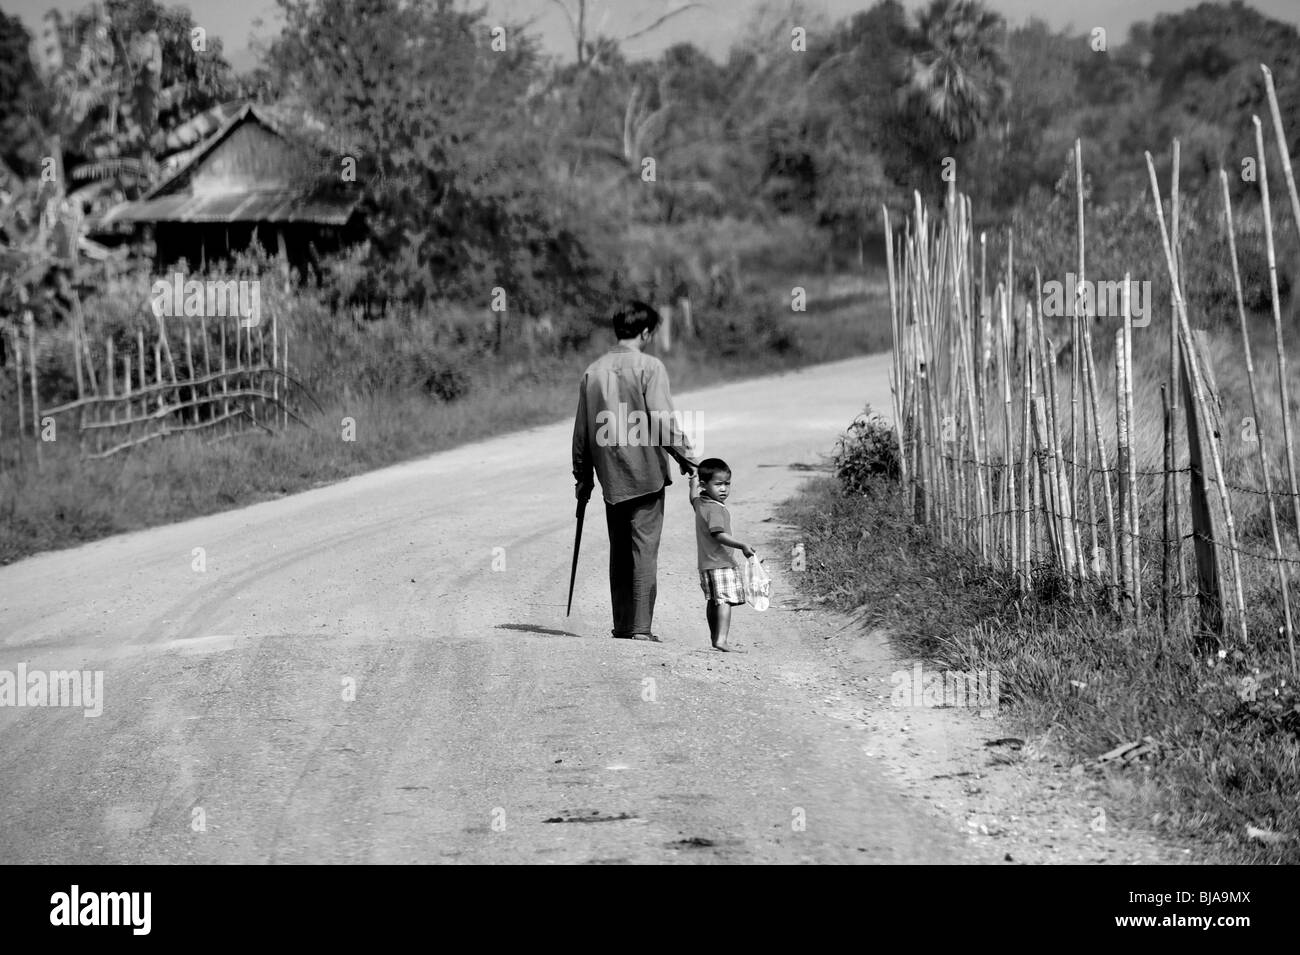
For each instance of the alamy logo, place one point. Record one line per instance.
(1100, 299)
(638, 428)
(175, 297)
(102, 908)
(75, 688)
(974, 688)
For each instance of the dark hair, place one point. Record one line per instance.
(710, 468)
(632, 318)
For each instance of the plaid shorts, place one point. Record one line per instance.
(723, 586)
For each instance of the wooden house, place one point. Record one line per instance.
(258, 178)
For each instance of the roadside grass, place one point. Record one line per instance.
(1228, 754)
(71, 501)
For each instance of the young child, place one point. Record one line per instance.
(719, 577)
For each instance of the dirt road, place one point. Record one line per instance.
(381, 671)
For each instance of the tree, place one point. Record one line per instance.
(132, 73)
(867, 149)
(436, 122)
(959, 76)
(21, 100)
(596, 52)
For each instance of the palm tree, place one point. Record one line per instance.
(960, 75)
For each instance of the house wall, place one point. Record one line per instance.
(213, 243)
(252, 158)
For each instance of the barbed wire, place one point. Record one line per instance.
(1001, 465)
(1269, 558)
(1281, 495)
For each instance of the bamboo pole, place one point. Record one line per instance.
(1173, 530)
(1039, 529)
(30, 323)
(1084, 366)
(157, 374)
(285, 357)
(1011, 292)
(1090, 374)
(1135, 510)
(189, 371)
(1063, 490)
(207, 361)
(984, 471)
(126, 392)
(1042, 435)
(1282, 148)
(1058, 485)
(1260, 444)
(1283, 388)
(168, 409)
(1198, 385)
(967, 358)
(898, 356)
(1171, 535)
(259, 408)
(79, 320)
(1094, 549)
(18, 390)
(1008, 452)
(1122, 465)
(275, 356)
(225, 401)
(1166, 595)
(164, 347)
(110, 386)
(1076, 343)
(81, 390)
(1026, 476)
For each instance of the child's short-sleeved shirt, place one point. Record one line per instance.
(710, 516)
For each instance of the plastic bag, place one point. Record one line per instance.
(758, 585)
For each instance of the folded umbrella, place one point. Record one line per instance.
(577, 543)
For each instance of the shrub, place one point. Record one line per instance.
(869, 448)
(776, 335)
(444, 380)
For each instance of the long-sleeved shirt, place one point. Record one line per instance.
(625, 427)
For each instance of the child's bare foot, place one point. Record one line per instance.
(726, 647)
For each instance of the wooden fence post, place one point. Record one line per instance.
(1208, 594)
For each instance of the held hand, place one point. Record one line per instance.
(687, 467)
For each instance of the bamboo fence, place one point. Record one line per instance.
(1003, 436)
(230, 380)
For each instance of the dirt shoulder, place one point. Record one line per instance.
(1010, 785)
(1022, 800)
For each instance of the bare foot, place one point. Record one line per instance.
(726, 647)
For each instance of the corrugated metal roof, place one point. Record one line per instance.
(166, 202)
(277, 206)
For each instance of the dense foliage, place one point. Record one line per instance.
(487, 165)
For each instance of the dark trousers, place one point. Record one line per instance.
(634, 529)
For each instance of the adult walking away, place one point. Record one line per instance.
(625, 431)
